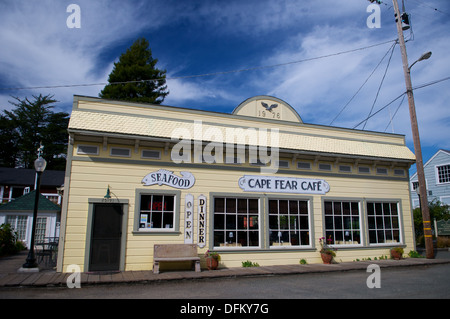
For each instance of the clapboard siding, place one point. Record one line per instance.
(436, 190)
(90, 179)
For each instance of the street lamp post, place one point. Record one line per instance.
(39, 165)
(415, 134)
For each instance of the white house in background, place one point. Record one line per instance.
(19, 214)
(437, 176)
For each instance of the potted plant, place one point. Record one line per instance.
(396, 253)
(212, 260)
(327, 253)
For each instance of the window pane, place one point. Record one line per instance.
(283, 207)
(253, 206)
(219, 221)
(304, 238)
(219, 238)
(231, 205)
(239, 220)
(273, 221)
(219, 205)
(253, 237)
(242, 206)
(328, 208)
(346, 208)
(344, 224)
(157, 203)
(157, 211)
(146, 202)
(157, 219)
(385, 223)
(273, 207)
(242, 222)
(293, 207)
(286, 219)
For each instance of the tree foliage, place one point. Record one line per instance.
(29, 124)
(147, 84)
(438, 211)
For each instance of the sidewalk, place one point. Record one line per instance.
(9, 277)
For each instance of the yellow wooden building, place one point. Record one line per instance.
(257, 184)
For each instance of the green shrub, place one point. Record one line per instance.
(248, 263)
(303, 261)
(414, 254)
(8, 240)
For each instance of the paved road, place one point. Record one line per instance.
(428, 282)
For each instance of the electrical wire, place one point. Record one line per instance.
(354, 95)
(200, 75)
(414, 88)
(381, 83)
(395, 113)
(381, 109)
(431, 7)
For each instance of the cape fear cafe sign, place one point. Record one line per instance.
(277, 184)
(165, 177)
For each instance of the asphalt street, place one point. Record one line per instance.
(423, 282)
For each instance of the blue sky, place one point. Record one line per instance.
(203, 37)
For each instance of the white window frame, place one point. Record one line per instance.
(176, 212)
(399, 216)
(436, 170)
(226, 230)
(268, 229)
(334, 229)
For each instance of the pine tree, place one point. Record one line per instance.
(136, 66)
(29, 124)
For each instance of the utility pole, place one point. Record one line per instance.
(416, 139)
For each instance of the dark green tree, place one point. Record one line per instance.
(8, 142)
(31, 123)
(147, 84)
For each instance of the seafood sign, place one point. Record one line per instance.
(165, 177)
(275, 184)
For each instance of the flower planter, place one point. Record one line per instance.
(395, 254)
(326, 258)
(212, 263)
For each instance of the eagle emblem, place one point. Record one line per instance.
(267, 107)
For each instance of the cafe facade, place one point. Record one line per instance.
(256, 185)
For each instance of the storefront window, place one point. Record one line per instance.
(156, 212)
(236, 222)
(288, 223)
(383, 223)
(342, 223)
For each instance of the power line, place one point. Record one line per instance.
(414, 88)
(431, 7)
(201, 75)
(395, 113)
(379, 87)
(373, 114)
(431, 83)
(351, 99)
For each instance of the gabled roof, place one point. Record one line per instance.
(25, 176)
(447, 152)
(26, 203)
